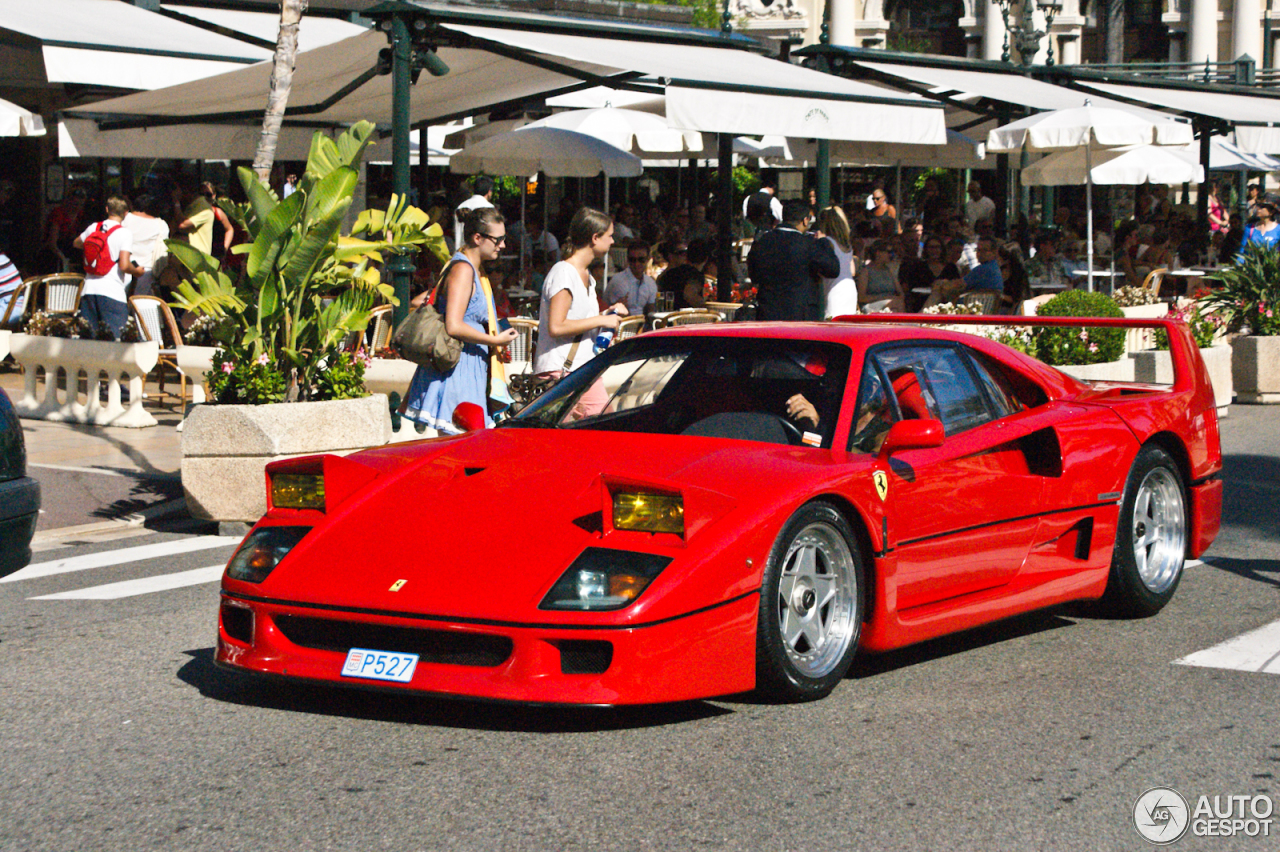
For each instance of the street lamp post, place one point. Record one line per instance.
(1025, 35)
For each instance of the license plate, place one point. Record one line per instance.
(379, 665)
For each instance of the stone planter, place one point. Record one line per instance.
(389, 375)
(1156, 366)
(1140, 339)
(1108, 371)
(120, 363)
(1255, 367)
(195, 362)
(225, 448)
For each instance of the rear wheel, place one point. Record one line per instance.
(810, 606)
(1151, 539)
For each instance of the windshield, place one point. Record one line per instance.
(751, 389)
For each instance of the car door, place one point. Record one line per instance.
(961, 516)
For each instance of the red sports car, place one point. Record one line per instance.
(754, 504)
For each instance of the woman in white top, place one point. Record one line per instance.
(569, 312)
(149, 233)
(842, 291)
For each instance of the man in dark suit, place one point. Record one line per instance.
(786, 266)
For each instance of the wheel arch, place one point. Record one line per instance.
(1173, 445)
(861, 531)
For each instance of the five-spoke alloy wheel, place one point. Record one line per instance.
(1151, 540)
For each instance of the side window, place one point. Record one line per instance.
(999, 391)
(874, 413)
(936, 382)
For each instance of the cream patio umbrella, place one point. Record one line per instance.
(631, 130)
(16, 121)
(1089, 128)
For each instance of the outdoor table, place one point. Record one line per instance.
(1105, 275)
(522, 300)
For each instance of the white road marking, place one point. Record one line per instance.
(1191, 563)
(141, 586)
(71, 469)
(1255, 651)
(120, 557)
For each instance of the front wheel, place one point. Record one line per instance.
(810, 606)
(1151, 538)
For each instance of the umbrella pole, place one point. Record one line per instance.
(1088, 206)
(897, 192)
(524, 233)
(606, 211)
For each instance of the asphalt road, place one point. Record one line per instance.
(117, 733)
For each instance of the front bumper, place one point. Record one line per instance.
(19, 510)
(700, 655)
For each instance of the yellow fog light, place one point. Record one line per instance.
(297, 491)
(648, 512)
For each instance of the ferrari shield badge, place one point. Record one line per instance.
(881, 482)
(399, 584)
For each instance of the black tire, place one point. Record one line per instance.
(808, 626)
(1151, 537)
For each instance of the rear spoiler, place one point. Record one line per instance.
(1188, 367)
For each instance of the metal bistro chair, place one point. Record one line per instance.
(629, 327)
(62, 292)
(18, 293)
(156, 322)
(523, 346)
(988, 300)
(691, 316)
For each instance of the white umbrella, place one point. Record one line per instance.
(1123, 166)
(628, 129)
(1089, 128)
(16, 121)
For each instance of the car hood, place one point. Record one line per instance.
(480, 527)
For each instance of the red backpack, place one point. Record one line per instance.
(97, 254)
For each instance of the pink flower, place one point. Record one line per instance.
(227, 367)
(1269, 314)
(1093, 347)
(263, 360)
(1084, 334)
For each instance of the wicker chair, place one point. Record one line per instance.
(630, 327)
(1154, 279)
(988, 300)
(156, 322)
(9, 316)
(522, 348)
(726, 308)
(62, 292)
(381, 326)
(691, 316)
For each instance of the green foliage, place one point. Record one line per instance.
(1079, 345)
(342, 376)
(944, 178)
(745, 182)
(903, 43)
(243, 382)
(706, 13)
(1204, 323)
(1249, 291)
(303, 288)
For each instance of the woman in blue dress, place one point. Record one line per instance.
(433, 395)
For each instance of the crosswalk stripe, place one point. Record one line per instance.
(141, 586)
(120, 557)
(1255, 651)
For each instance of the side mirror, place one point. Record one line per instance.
(912, 435)
(468, 417)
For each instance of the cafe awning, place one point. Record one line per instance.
(119, 45)
(711, 83)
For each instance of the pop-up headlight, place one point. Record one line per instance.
(603, 579)
(262, 552)
(297, 490)
(648, 512)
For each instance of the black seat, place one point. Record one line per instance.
(742, 425)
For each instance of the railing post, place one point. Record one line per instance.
(1245, 74)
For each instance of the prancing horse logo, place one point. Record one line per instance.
(881, 482)
(397, 585)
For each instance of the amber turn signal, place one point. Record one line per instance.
(648, 512)
(297, 491)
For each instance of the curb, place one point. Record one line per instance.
(175, 506)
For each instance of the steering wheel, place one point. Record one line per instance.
(795, 436)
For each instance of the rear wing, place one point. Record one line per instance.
(1189, 370)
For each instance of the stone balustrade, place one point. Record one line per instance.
(115, 364)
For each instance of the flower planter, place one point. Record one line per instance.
(1156, 366)
(195, 362)
(1255, 367)
(1140, 339)
(389, 375)
(225, 448)
(1108, 371)
(122, 363)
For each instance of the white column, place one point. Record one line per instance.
(1070, 50)
(992, 31)
(844, 30)
(1202, 33)
(1246, 30)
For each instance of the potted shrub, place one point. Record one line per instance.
(1156, 365)
(1089, 354)
(64, 343)
(1139, 303)
(1248, 299)
(280, 381)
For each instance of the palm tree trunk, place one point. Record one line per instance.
(1114, 33)
(281, 81)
